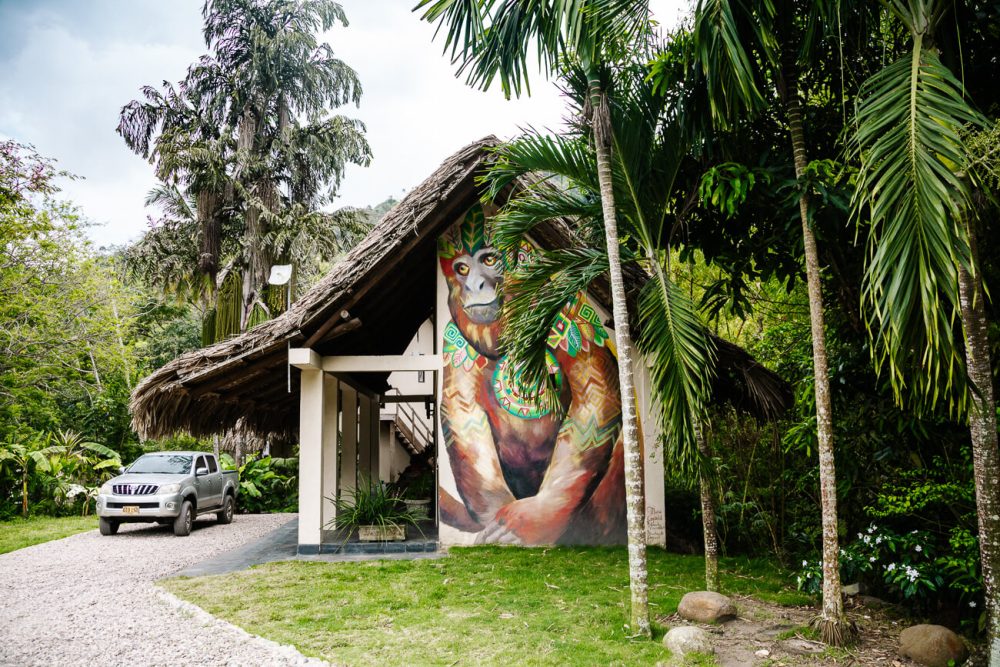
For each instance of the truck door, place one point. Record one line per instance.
(215, 475)
(202, 485)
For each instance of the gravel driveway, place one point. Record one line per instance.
(90, 600)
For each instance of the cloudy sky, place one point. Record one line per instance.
(68, 66)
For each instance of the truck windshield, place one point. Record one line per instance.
(170, 464)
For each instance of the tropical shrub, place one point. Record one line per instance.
(55, 472)
(266, 484)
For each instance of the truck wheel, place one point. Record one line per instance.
(228, 509)
(107, 527)
(182, 524)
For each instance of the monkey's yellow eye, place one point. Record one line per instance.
(490, 260)
(461, 268)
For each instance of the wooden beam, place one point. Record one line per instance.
(406, 398)
(382, 364)
(350, 325)
(331, 323)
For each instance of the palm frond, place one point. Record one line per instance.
(534, 293)
(913, 192)
(680, 356)
(533, 153)
(500, 39)
(729, 43)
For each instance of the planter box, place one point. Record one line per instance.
(381, 533)
(419, 509)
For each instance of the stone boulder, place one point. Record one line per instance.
(706, 607)
(932, 645)
(688, 639)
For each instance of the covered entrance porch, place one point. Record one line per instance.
(349, 435)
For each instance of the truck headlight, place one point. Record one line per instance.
(106, 489)
(170, 488)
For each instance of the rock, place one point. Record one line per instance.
(706, 607)
(687, 639)
(932, 645)
(797, 646)
(873, 602)
(855, 589)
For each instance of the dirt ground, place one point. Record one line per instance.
(770, 635)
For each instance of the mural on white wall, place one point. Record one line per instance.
(520, 473)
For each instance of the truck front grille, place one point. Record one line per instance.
(134, 489)
(146, 506)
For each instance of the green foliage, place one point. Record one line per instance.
(910, 567)
(727, 186)
(55, 470)
(266, 484)
(422, 487)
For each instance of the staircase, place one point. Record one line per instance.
(412, 432)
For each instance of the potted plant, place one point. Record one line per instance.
(417, 496)
(377, 514)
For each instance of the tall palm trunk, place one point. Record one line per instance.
(711, 536)
(985, 455)
(634, 494)
(832, 623)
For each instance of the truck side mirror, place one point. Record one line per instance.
(121, 469)
(201, 471)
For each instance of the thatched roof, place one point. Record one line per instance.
(372, 302)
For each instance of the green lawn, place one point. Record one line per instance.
(485, 605)
(20, 533)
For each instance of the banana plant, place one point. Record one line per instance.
(25, 458)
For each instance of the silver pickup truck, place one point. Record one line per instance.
(168, 488)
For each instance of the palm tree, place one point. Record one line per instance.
(742, 50)
(915, 189)
(644, 165)
(248, 134)
(492, 38)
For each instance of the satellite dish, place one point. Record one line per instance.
(280, 274)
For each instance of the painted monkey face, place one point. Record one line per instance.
(478, 276)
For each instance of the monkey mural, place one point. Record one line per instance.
(525, 475)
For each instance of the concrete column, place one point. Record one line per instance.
(365, 437)
(376, 441)
(311, 432)
(385, 451)
(349, 440)
(331, 410)
(652, 463)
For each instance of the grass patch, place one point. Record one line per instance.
(483, 605)
(19, 533)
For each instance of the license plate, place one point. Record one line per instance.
(130, 509)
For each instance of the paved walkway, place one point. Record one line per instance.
(280, 544)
